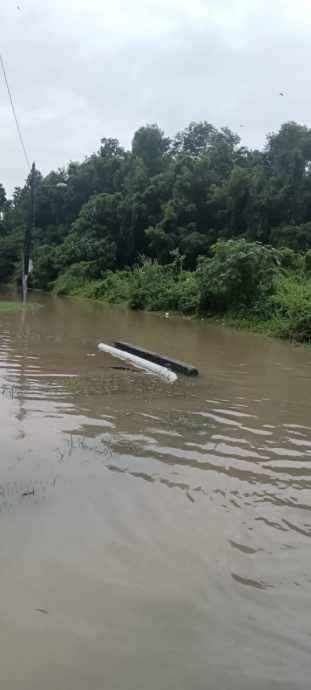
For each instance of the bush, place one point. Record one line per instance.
(113, 288)
(152, 287)
(162, 288)
(290, 260)
(237, 275)
(307, 262)
(73, 281)
(292, 309)
(149, 286)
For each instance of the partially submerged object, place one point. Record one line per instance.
(139, 362)
(173, 364)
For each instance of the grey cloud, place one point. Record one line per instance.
(82, 70)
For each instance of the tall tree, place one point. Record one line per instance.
(151, 146)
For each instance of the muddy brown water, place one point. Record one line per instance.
(153, 535)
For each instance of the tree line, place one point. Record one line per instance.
(163, 196)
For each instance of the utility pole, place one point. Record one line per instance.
(28, 232)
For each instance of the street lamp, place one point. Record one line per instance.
(30, 226)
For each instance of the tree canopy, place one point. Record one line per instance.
(164, 195)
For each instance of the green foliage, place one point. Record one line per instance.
(297, 237)
(236, 275)
(149, 286)
(73, 281)
(292, 309)
(199, 194)
(45, 267)
(92, 237)
(162, 288)
(113, 288)
(72, 384)
(10, 252)
(289, 259)
(17, 306)
(307, 262)
(151, 145)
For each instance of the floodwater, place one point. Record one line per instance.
(153, 536)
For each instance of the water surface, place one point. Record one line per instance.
(152, 535)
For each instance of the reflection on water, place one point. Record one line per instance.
(152, 535)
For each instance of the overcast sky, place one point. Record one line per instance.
(80, 70)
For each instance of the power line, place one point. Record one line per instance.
(14, 113)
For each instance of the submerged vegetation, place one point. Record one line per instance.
(16, 306)
(197, 225)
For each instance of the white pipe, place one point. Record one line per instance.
(138, 362)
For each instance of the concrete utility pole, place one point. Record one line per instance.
(28, 232)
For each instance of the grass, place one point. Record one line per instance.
(17, 306)
(190, 421)
(72, 384)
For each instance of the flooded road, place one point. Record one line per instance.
(153, 535)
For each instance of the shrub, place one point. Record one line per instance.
(236, 275)
(290, 260)
(292, 308)
(162, 288)
(114, 287)
(73, 280)
(307, 262)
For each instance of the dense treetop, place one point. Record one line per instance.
(161, 197)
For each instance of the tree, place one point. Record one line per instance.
(94, 235)
(110, 149)
(10, 252)
(201, 137)
(296, 237)
(151, 146)
(194, 140)
(161, 197)
(2, 197)
(46, 267)
(289, 157)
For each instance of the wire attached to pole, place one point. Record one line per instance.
(14, 113)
